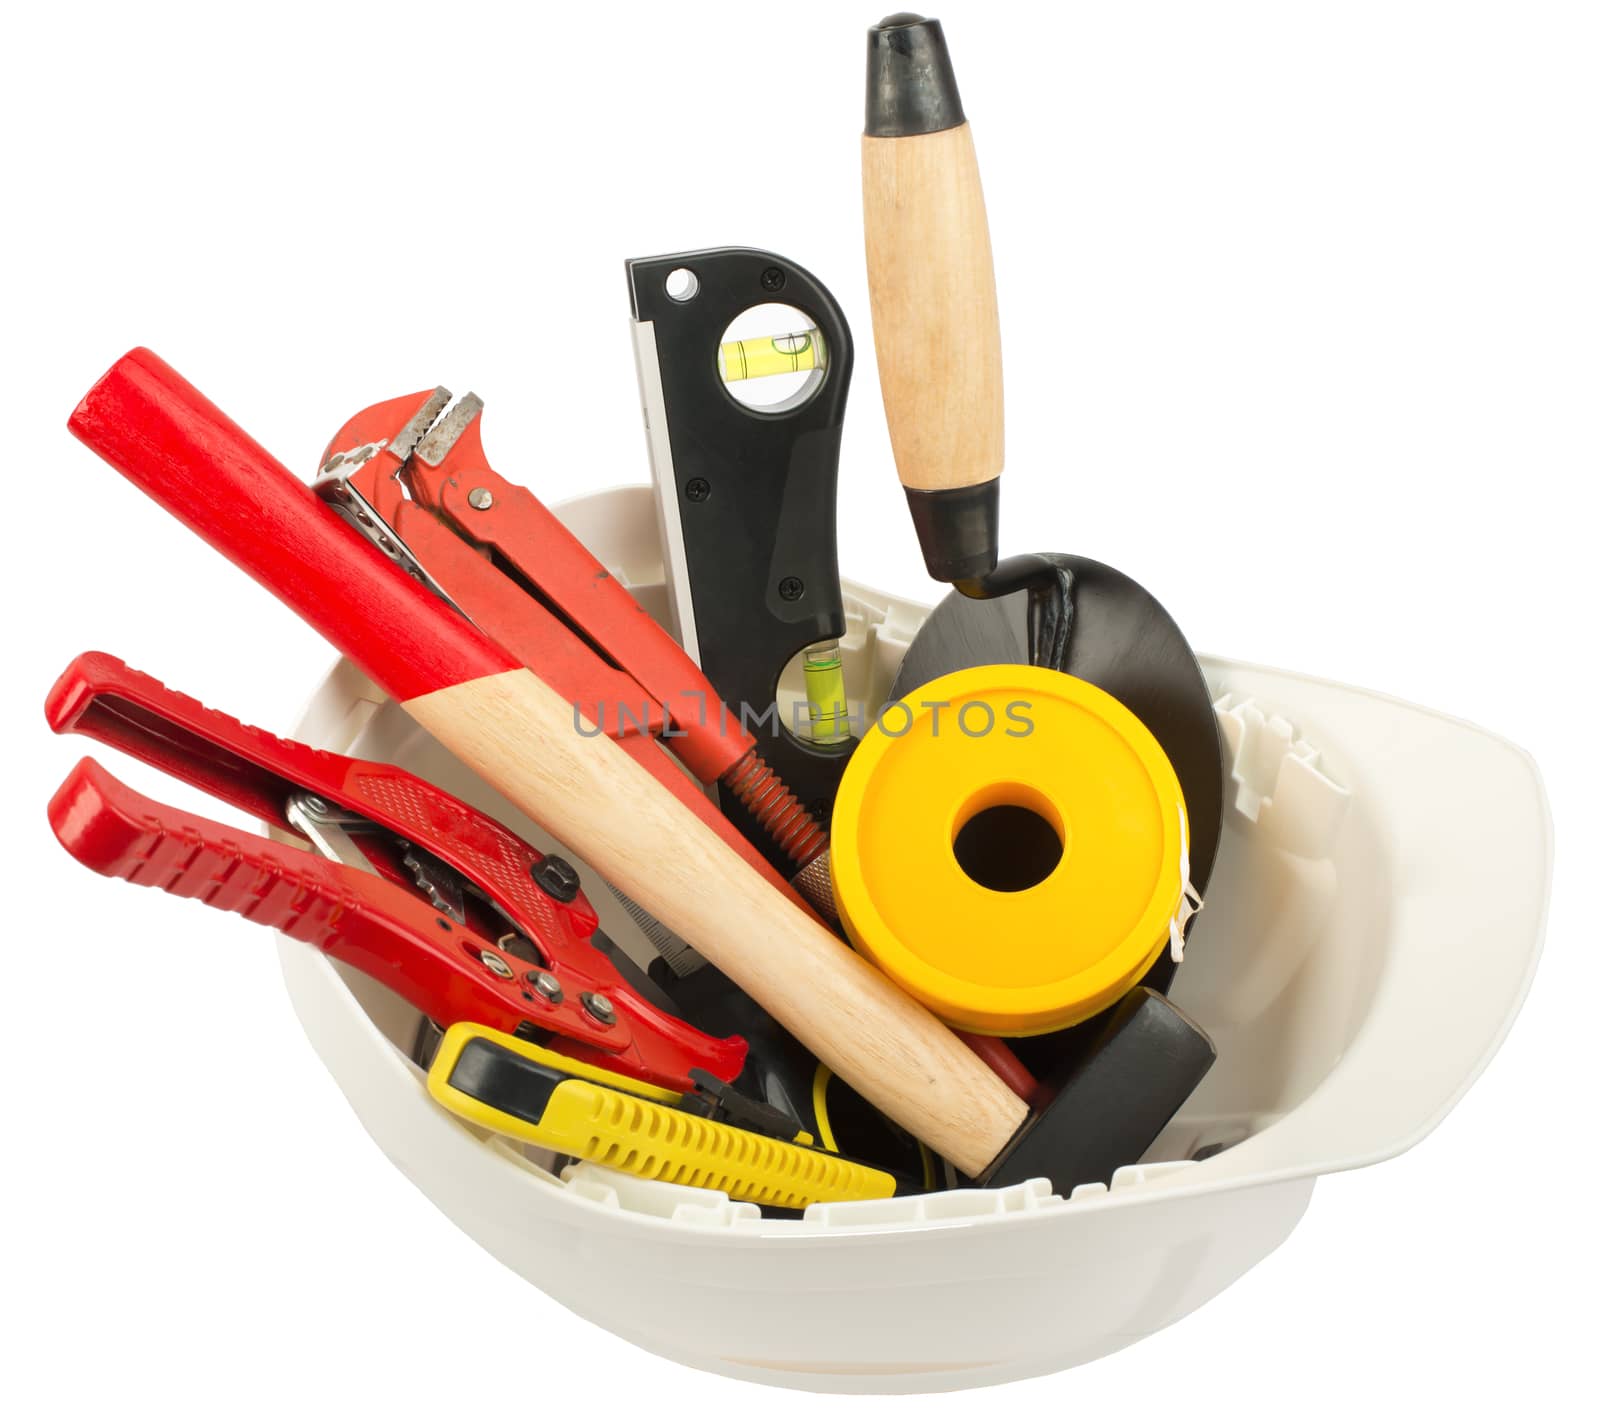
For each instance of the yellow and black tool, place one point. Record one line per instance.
(516, 1089)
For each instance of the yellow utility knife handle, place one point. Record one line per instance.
(522, 1091)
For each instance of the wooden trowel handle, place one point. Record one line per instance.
(935, 322)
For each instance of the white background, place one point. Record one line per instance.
(1301, 309)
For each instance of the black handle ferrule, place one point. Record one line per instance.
(958, 529)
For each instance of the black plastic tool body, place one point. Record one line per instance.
(753, 493)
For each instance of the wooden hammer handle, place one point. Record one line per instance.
(521, 737)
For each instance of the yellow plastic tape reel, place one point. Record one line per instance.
(1008, 846)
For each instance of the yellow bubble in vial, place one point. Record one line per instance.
(752, 357)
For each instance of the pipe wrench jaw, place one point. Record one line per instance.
(407, 449)
(394, 426)
(362, 476)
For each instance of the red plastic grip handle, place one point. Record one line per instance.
(118, 833)
(384, 930)
(145, 420)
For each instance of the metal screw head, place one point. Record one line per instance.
(773, 279)
(480, 498)
(496, 964)
(598, 1005)
(791, 587)
(548, 986)
(698, 489)
(315, 804)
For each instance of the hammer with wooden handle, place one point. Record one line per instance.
(507, 725)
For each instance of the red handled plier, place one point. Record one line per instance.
(437, 901)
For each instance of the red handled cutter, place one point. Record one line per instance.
(440, 903)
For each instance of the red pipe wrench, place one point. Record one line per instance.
(439, 902)
(411, 475)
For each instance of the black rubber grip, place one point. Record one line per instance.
(911, 86)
